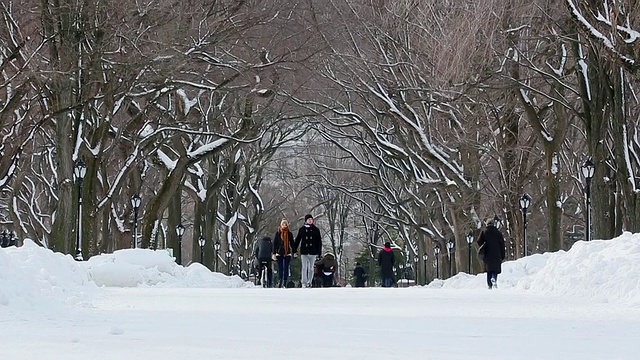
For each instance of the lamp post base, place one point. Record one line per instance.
(78, 256)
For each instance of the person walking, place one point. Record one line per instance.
(262, 253)
(309, 243)
(282, 251)
(359, 275)
(386, 260)
(494, 252)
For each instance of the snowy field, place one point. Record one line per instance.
(137, 304)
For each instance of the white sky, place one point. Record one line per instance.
(580, 304)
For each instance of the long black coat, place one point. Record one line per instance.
(386, 260)
(494, 249)
(360, 275)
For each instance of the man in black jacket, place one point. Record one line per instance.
(494, 250)
(359, 275)
(309, 242)
(262, 253)
(385, 261)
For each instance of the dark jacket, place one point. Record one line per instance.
(263, 249)
(279, 247)
(359, 275)
(327, 263)
(308, 241)
(494, 248)
(386, 260)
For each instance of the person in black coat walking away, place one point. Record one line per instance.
(494, 250)
(386, 260)
(309, 243)
(262, 253)
(359, 275)
(282, 251)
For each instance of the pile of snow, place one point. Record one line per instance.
(32, 274)
(603, 270)
(147, 268)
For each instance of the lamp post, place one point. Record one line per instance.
(470, 241)
(240, 258)
(135, 202)
(249, 269)
(201, 242)
(588, 170)
(525, 201)
(450, 252)
(4, 239)
(80, 170)
(436, 250)
(179, 232)
(425, 257)
(228, 255)
(216, 246)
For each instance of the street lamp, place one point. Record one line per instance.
(228, 255)
(436, 250)
(80, 170)
(497, 222)
(249, 268)
(525, 201)
(4, 239)
(201, 242)
(135, 202)
(588, 170)
(470, 241)
(216, 246)
(425, 257)
(179, 232)
(240, 258)
(450, 253)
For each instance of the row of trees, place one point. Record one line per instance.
(393, 120)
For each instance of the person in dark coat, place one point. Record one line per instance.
(493, 242)
(385, 261)
(327, 266)
(360, 275)
(309, 243)
(262, 253)
(282, 251)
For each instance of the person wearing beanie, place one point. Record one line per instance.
(282, 251)
(309, 243)
(386, 260)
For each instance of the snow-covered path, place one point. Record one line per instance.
(339, 323)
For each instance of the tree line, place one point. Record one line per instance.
(409, 121)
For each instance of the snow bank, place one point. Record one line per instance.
(604, 270)
(31, 275)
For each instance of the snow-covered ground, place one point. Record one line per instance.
(137, 304)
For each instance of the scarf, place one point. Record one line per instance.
(284, 236)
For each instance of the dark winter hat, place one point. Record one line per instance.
(387, 245)
(307, 217)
